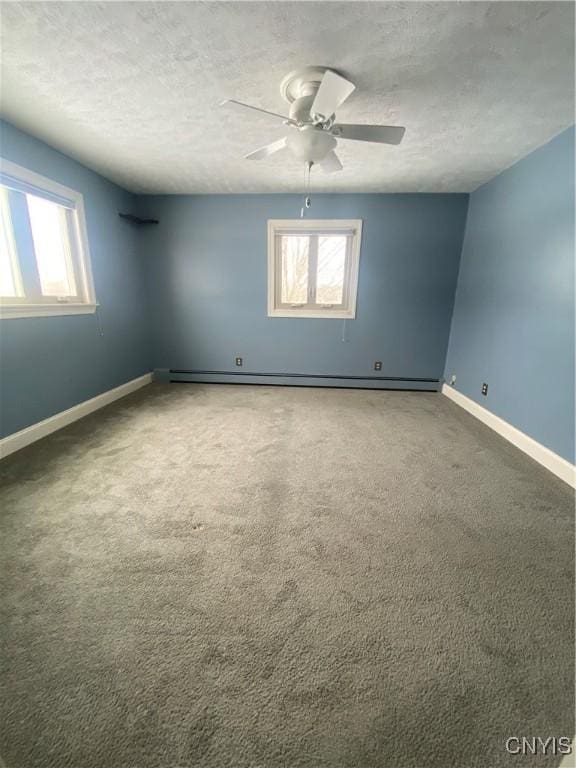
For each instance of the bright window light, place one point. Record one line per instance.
(44, 252)
(331, 269)
(49, 227)
(313, 267)
(10, 285)
(294, 269)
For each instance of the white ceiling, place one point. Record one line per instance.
(132, 89)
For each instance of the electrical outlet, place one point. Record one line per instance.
(239, 362)
(378, 365)
(452, 380)
(484, 388)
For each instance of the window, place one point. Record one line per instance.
(44, 260)
(313, 267)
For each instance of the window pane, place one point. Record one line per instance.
(8, 266)
(51, 245)
(331, 269)
(295, 249)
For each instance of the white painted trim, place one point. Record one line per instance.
(82, 259)
(552, 461)
(9, 311)
(7, 227)
(37, 180)
(346, 312)
(37, 431)
(337, 314)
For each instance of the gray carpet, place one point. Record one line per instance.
(258, 577)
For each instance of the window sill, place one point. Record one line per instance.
(326, 314)
(12, 311)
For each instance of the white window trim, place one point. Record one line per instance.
(12, 253)
(9, 311)
(321, 225)
(19, 308)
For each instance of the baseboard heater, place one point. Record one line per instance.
(180, 376)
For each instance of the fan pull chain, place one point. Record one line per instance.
(99, 321)
(307, 201)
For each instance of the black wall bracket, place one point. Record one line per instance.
(136, 219)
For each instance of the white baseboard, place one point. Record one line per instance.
(35, 432)
(556, 464)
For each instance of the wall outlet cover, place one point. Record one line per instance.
(378, 365)
(484, 388)
(452, 380)
(239, 361)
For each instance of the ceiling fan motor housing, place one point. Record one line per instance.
(300, 108)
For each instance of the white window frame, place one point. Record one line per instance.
(277, 227)
(11, 243)
(85, 302)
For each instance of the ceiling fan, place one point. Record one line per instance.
(314, 95)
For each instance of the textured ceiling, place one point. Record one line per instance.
(132, 89)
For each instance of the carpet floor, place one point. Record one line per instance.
(204, 576)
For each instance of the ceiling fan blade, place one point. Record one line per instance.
(333, 91)
(269, 149)
(241, 104)
(331, 163)
(381, 134)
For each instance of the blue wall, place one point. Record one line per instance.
(205, 270)
(513, 324)
(49, 364)
(207, 264)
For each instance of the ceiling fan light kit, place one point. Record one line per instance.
(314, 95)
(309, 145)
